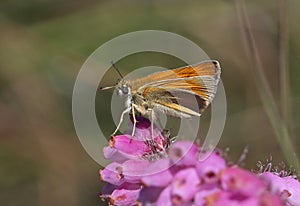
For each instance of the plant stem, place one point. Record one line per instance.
(279, 126)
(283, 62)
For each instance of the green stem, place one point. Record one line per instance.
(279, 126)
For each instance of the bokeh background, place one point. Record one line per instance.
(44, 43)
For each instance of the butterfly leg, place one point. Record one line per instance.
(121, 120)
(152, 124)
(133, 106)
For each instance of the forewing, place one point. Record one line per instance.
(185, 91)
(210, 68)
(202, 86)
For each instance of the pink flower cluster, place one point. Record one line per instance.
(149, 173)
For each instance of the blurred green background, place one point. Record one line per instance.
(44, 43)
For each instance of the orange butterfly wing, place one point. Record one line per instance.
(203, 86)
(176, 91)
(206, 68)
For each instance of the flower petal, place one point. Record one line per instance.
(165, 197)
(184, 153)
(128, 145)
(142, 130)
(201, 196)
(158, 174)
(209, 168)
(117, 155)
(113, 173)
(268, 199)
(293, 187)
(235, 179)
(149, 195)
(185, 184)
(124, 197)
(134, 170)
(287, 187)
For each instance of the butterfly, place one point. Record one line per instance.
(169, 92)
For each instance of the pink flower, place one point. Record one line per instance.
(209, 169)
(146, 172)
(141, 146)
(286, 187)
(242, 183)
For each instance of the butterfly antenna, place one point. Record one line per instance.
(106, 88)
(118, 71)
(116, 68)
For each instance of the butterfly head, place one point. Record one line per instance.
(123, 89)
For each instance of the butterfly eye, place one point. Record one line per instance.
(125, 89)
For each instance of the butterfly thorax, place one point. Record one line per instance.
(142, 105)
(124, 89)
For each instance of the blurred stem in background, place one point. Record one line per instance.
(283, 62)
(279, 118)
